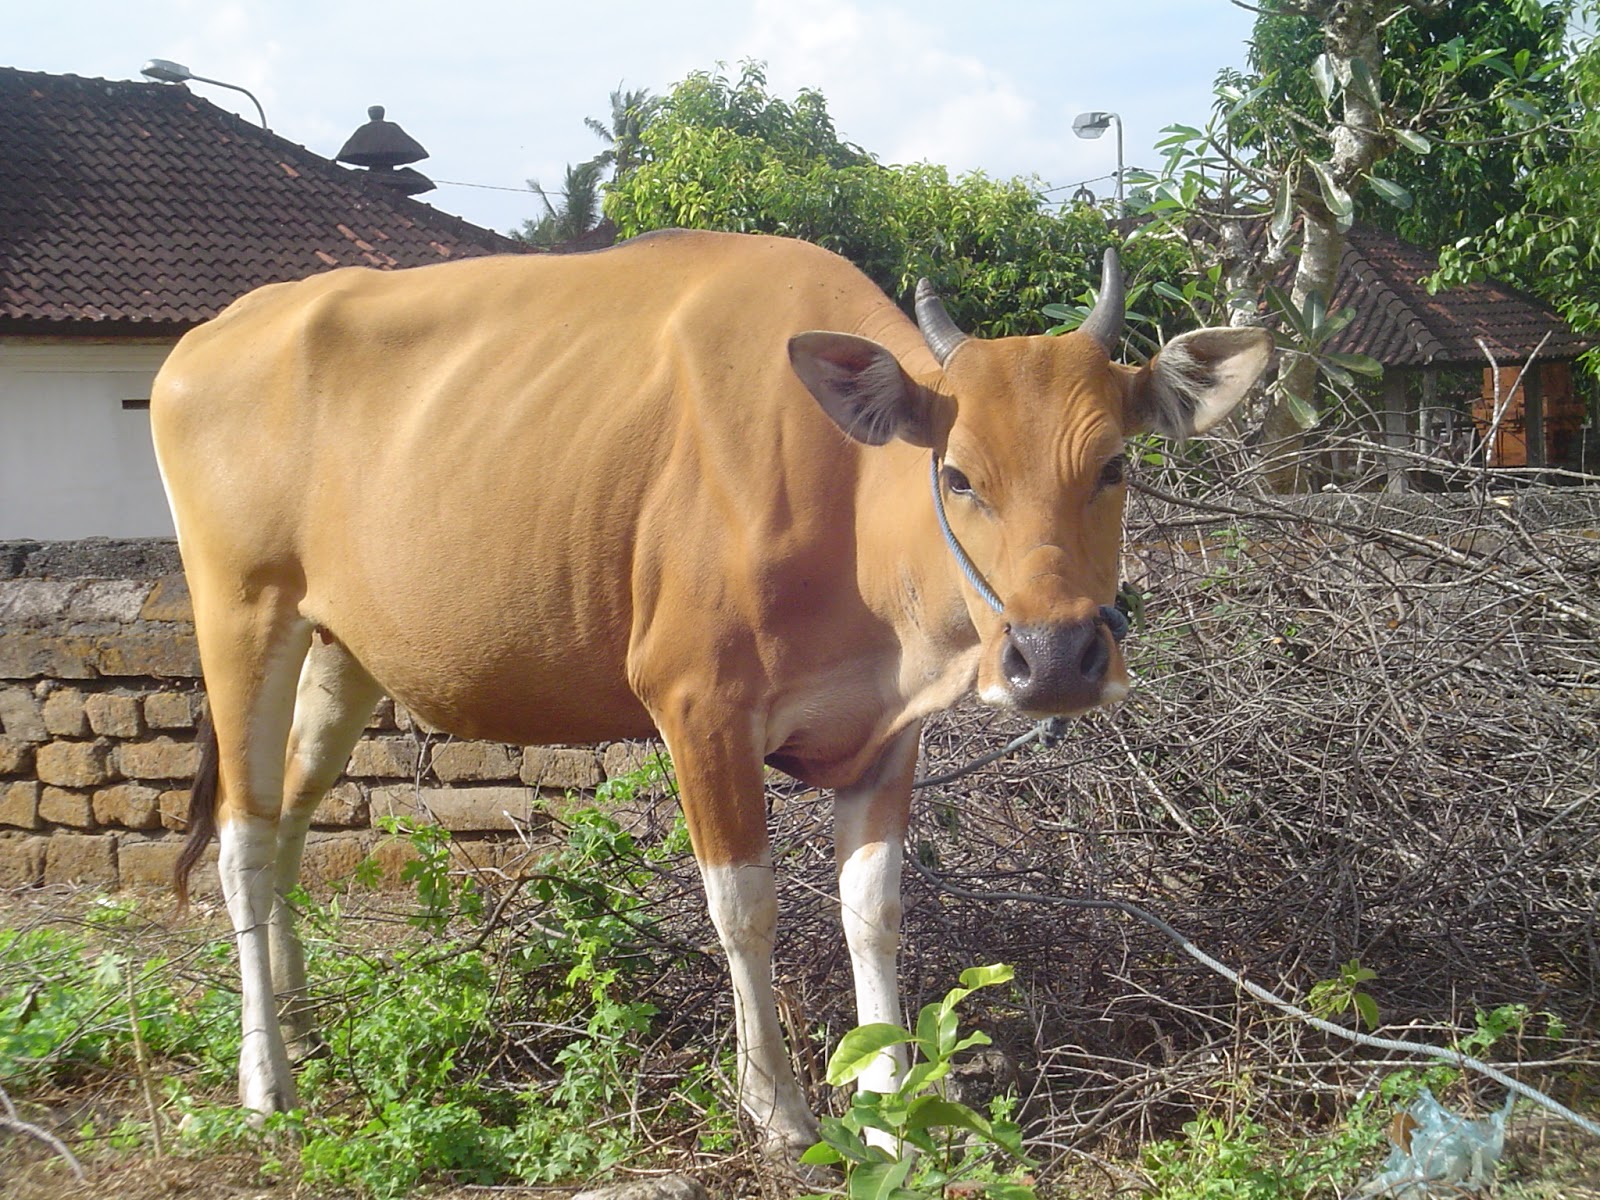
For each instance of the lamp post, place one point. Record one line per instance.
(1091, 125)
(171, 72)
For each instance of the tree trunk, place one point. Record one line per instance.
(1352, 34)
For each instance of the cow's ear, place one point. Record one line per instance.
(864, 389)
(1196, 380)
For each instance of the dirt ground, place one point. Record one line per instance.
(1544, 1158)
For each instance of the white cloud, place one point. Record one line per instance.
(893, 83)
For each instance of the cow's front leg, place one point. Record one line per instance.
(720, 788)
(869, 836)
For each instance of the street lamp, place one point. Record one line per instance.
(1091, 125)
(171, 72)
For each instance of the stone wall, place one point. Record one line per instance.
(99, 693)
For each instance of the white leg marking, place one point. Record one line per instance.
(744, 908)
(247, 863)
(248, 845)
(869, 834)
(333, 700)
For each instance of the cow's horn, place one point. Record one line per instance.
(938, 330)
(1104, 324)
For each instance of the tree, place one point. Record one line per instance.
(578, 213)
(726, 154)
(1295, 140)
(1546, 239)
(623, 136)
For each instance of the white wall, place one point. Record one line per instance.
(73, 462)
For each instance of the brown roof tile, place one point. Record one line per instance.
(1398, 323)
(141, 205)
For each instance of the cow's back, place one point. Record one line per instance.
(497, 480)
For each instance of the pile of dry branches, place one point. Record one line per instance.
(1365, 727)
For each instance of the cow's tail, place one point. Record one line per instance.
(202, 810)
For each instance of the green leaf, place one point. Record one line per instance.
(1523, 107)
(974, 978)
(1283, 304)
(922, 1075)
(1368, 1008)
(1166, 290)
(1391, 191)
(859, 1048)
(936, 1028)
(976, 1038)
(843, 1143)
(1283, 210)
(1315, 314)
(1360, 364)
(1413, 141)
(935, 1112)
(879, 1180)
(1322, 76)
(1002, 1189)
(1334, 196)
(1305, 416)
(1331, 324)
(1362, 81)
(821, 1155)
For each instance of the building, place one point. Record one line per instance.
(1454, 359)
(129, 213)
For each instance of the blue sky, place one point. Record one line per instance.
(497, 91)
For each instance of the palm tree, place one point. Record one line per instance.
(624, 136)
(578, 213)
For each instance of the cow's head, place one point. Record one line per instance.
(1029, 433)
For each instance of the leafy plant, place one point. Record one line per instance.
(958, 1145)
(1334, 996)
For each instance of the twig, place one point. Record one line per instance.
(17, 1125)
(1453, 1057)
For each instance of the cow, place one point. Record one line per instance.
(689, 486)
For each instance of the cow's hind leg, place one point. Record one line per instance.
(720, 787)
(334, 699)
(251, 648)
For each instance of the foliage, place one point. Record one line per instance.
(64, 1009)
(580, 208)
(425, 1101)
(1472, 80)
(957, 1145)
(623, 134)
(1231, 1156)
(1334, 996)
(726, 154)
(578, 213)
(1223, 1158)
(404, 1090)
(1546, 236)
(1346, 108)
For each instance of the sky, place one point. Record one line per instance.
(497, 90)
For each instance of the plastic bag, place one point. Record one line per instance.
(1438, 1153)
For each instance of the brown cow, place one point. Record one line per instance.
(681, 487)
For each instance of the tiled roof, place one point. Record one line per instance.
(143, 208)
(1398, 323)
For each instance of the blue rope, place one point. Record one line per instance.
(1045, 732)
(979, 584)
(1114, 618)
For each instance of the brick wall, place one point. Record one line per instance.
(99, 691)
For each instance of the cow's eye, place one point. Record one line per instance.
(1114, 471)
(956, 483)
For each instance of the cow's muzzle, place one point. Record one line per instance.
(1060, 668)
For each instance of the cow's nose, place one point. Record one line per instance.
(1055, 668)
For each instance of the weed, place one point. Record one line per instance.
(959, 1147)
